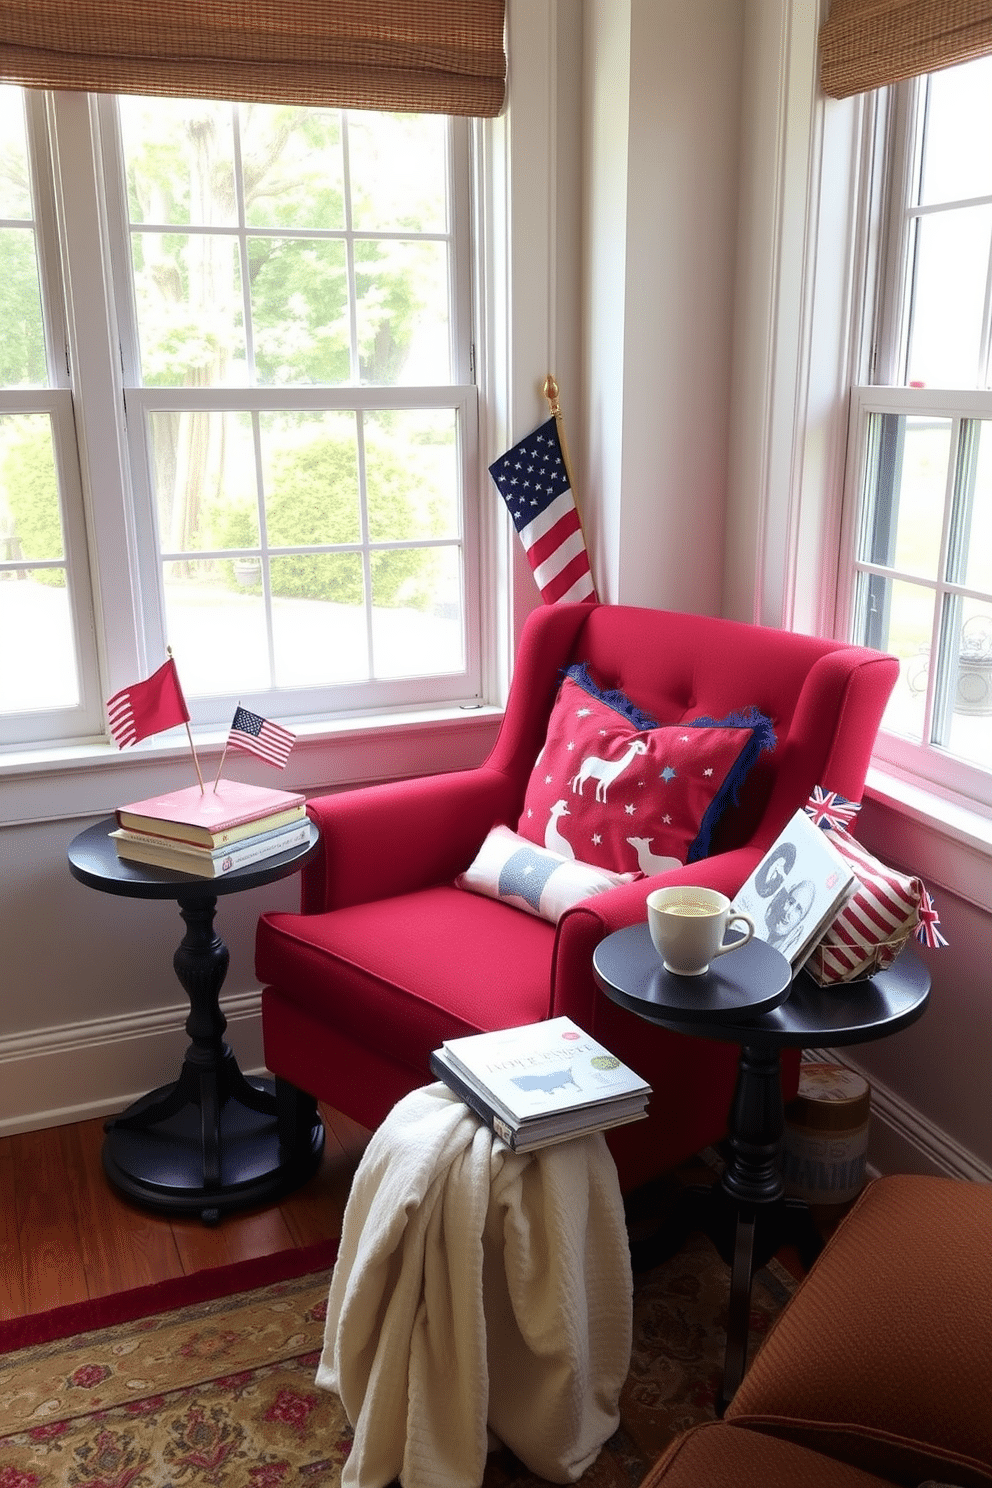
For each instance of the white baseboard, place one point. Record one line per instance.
(900, 1140)
(54, 1076)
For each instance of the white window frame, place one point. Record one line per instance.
(886, 237)
(927, 759)
(119, 621)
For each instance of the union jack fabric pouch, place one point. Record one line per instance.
(885, 909)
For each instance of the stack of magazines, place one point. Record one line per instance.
(797, 889)
(542, 1083)
(211, 831)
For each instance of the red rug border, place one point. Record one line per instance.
(165, 1296)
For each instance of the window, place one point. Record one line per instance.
(255, 426)
(920, 489)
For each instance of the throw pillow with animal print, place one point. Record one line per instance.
(614, 788)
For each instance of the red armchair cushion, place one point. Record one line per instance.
(405, 974)
(614, 788)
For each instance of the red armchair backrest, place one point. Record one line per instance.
(825, 698)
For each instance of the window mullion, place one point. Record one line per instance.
(985, 342)
(459, 189)
(363, 510)
(43, 196)
(263, 538)
(946, 609)
(902, 170)
(95, 353)
(349, 252)
(239, 199)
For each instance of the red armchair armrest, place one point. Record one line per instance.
(393, 839)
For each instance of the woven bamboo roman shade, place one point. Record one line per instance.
(424, 56)
(869, 43)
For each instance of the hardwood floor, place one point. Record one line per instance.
(66, 1236)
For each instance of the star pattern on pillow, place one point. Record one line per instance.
(607, 770)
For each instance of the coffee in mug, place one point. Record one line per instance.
(688, 925)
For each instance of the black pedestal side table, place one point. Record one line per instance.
(746, 1213)
(213, 1141)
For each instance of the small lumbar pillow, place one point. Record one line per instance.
(886, 908)
(614, 788)
(510, 868)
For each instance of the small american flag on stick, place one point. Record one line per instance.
(256, 735)
(533, 480)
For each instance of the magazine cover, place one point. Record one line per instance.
(543, 1067)
(536, 1131)
(796, 890)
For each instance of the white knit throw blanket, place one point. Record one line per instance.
(477, 1288)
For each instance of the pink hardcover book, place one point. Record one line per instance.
(211, 816)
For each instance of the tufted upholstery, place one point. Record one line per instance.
(884, 1356)
(879, 1370)
(388, 958)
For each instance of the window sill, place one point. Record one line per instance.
(946, 841)
(92, 779)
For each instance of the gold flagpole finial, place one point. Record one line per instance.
(551, 393)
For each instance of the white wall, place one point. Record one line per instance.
(661, 129)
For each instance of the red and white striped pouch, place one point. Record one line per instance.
(876, 922)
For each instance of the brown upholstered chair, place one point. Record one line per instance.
(879, 1371)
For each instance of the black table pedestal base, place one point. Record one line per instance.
(745, 1213)
(746, 1236)
(196, 1148)
(214, 1141)
(706, 1209)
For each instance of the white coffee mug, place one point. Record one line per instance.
(688, 926)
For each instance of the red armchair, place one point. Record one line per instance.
(388, 958)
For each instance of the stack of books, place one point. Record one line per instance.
(542, 1083)
(212, 831)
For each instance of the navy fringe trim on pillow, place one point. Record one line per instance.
(618, 701)
(762, 738)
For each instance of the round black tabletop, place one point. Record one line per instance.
(752, 979)
(93, 860)
(807, 1017)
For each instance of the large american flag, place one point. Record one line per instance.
(256, 735)
(533, 481)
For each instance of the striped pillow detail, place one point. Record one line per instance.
(874, 924)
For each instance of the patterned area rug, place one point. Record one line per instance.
(221, 1392)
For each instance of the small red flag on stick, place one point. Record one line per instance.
(150, 707)
(147, 707)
